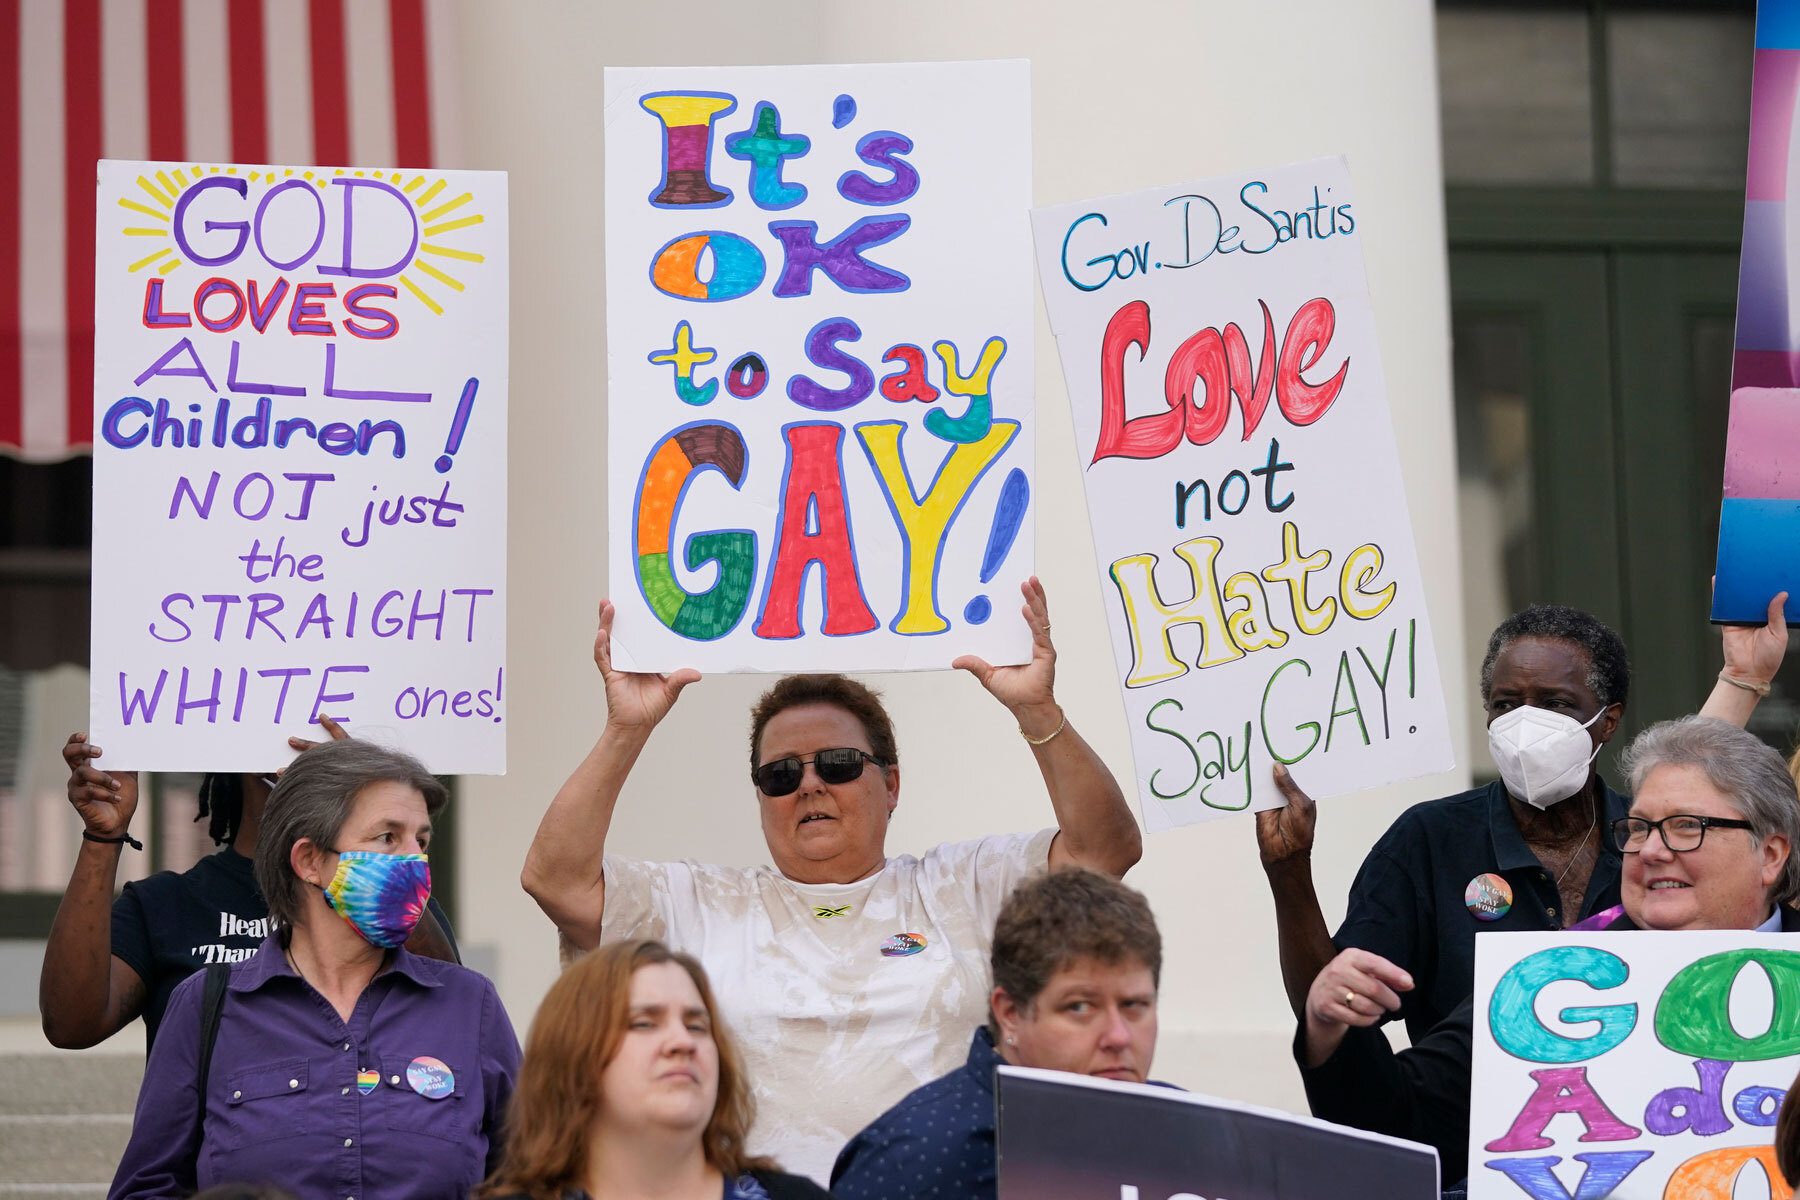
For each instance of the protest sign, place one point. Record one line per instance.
(299, 463)
(1631, 1064)
(1072, 1137)
(1759, 523)
(819, 396)
(1232, 429)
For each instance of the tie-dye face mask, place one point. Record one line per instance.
(381, 895)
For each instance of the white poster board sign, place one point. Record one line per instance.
(819, 381)
(1232, 428)
(1634, 1064)
(299, 463)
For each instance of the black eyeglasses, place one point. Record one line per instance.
(782, 776)
(1680, 833)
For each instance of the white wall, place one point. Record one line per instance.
(1126, 94)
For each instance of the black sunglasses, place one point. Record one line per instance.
(840, 765)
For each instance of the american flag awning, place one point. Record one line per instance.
(318, 82)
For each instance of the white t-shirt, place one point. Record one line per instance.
(837, 1018)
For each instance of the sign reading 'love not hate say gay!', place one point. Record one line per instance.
(299, 463)
(1232, 425)
(819, 399)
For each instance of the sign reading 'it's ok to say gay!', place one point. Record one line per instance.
(299, 463)
(819, 324)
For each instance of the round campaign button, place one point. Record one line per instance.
(1488, 897)
(903, 945)
(430, 1077)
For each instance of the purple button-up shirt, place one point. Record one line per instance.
(324, 1108)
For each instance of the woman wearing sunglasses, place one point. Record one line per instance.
(1708, 844)
(851, 976)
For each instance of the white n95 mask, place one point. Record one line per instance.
(1543, 756)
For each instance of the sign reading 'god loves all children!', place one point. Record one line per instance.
(1646, 1065)
(1232, 427)
(819, 326)
(299, 463)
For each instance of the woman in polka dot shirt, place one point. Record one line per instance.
(1076, 961)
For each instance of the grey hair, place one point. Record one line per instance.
(314, 798)
(1741, 766)
(1609, 667)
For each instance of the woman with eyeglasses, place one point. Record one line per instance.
(852, 976)
(1527, 851)
(1708, 844)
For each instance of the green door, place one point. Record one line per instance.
(1592, 388)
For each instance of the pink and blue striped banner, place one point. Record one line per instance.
(1759, 524)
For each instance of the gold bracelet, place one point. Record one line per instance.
(1061, 725)
(1761, 689)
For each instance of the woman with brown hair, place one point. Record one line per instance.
(333, 1053)
(631, 1089)
(1787, 1136)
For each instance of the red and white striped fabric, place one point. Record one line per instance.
(316, 82)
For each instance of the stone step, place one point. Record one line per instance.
(77, 1083)
(64, 1120)
(61, 1149)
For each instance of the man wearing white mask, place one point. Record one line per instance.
(1526, 852)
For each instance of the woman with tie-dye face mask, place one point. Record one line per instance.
(335, 1054)
(115, 955)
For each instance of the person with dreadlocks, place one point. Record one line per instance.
(109, 961)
